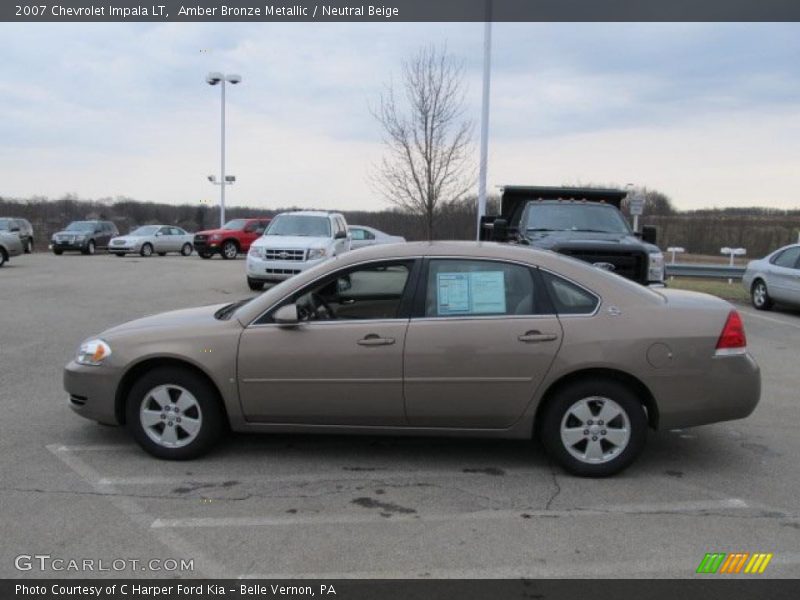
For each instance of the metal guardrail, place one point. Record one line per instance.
(702, 270)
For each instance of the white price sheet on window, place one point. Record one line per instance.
(478, 292)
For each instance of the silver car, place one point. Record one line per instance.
(363, 236)
(774, 278)
(446, 339)
(10, 245)
(153, 238)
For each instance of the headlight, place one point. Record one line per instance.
(215, 237)
(256, 251)
(93, 352)
(315, 253)
(655, 270)
(80, 238)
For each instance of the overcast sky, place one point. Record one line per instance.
(707, 113)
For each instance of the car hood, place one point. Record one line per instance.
(184, 318)
(553, 240)
(291, 242)
(65, 232)
(216, 231)
(132, 238)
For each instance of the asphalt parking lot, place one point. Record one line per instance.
(285, 506)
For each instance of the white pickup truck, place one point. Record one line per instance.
(293, 242)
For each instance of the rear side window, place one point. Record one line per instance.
(787, 258)
(457, 288)
(569, 298)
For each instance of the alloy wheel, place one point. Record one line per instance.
(595, 430)
(229, 250)
(170, 416)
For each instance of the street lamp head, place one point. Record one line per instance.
(233, 78)
(214, 78)
(212, 178)
(230, 178)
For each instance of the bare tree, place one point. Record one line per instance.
(427, 139)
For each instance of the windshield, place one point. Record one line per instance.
(80, 226)
(235, 224)
(303, 225)
(600, 218)
(146, 230)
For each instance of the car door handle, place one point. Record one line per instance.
(374, 339)
(534, 336)
(348, 301)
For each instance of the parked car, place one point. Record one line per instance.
(22, 228)
(294, 242)
(10, 245)
(774, 278)
(231, 239)
(442, 338)
(84, 236)
(153, 238)
(363, 236)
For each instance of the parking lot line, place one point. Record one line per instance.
(88, 447)
(776, 320)
(689, 507)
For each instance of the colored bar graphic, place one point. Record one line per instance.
(722, 563)
(711, 562)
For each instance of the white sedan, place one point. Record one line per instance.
(153, 238)
(363, 236)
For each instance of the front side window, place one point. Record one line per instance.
(457, 288)
(358, 234)
(373, 291)
(568, 298)
(300, 225)
(788, 258)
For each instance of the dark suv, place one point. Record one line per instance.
(84, 236)
(22, 228)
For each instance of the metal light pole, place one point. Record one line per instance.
(215, 78)
(487, 66)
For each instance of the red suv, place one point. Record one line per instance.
(234, 237)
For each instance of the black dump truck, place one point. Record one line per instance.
(585, 223)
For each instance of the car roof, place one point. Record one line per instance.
(311, 213)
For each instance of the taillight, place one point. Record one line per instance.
(732, 339)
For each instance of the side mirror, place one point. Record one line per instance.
(500, 230)
(287, 315)
(649, 234)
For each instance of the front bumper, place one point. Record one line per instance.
(206, 246)
(277, 270)
(92, 391)
(69, 246)
(729, 390)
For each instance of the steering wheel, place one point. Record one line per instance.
(318, 301)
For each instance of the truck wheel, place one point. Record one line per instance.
(229, 250)
(255, 284)
(186, 250)
(759, 295)
(174, 414)
(594, 427)
(146, 249)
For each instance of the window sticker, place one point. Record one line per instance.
(479, 292)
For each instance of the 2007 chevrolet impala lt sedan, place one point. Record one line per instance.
(442, 338)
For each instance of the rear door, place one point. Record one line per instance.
(784, 276)
(482, 338)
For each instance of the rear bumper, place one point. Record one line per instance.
(92, 391)
(729, 390)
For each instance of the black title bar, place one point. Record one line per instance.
(400, 10)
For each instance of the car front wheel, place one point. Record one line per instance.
(3, 257)
(760, 296)
(174, 414)
(146, 250)
(29, 246)
(255, 284)
(186, 250)
(229, 250)
(594, 428)
(90, 248)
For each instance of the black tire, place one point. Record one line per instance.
(210, 410)
(146, 249)
(566, 398)
(58, 252)
(186, 249)
(759, 295)
(229, 250)
(29, 246)
(3, 257)
(205, 255)
(255, 284)
(90, 248)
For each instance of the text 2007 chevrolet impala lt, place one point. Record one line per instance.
(443, 338)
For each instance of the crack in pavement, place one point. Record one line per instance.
(557, 485)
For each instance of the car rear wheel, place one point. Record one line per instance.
(186, 250)
(174, 414)
(255, 284)
(594, 427)
(3, 257)
(146, 250)
(29, 246)
(90, 248)
(759, 295)
(229, 250)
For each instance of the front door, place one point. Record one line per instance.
(342, 364)
(480, 347)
